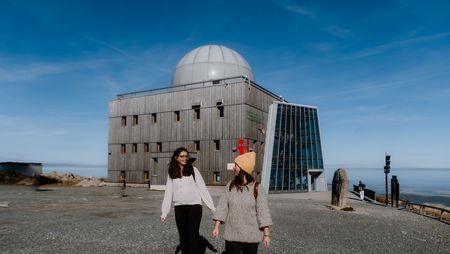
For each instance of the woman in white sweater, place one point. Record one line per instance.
(186, 188)
(244, 210)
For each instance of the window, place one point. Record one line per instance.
(197, 145)
(196, 109)
(217, 145)
(217, 177)
(216, 82)
(158, 147)
(135, 120)
(146, 147)
(123, 148)
(134, 148)
(154, 118)
(220, 109)
(197, 113)
(124, 121)
(155, 166)
(177, 116)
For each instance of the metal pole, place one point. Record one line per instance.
(397, 194)
(386, 187)
(386, 171)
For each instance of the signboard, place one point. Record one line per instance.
(255, 117)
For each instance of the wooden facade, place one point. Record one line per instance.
(146, 127)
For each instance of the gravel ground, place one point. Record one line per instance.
(101, 220)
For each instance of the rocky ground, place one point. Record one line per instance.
(112, 220)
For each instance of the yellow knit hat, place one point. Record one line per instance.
(246, 161)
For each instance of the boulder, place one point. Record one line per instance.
(339, 188)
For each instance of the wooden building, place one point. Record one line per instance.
(213, 107)
(208, 118)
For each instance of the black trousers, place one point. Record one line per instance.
(188, 219)
(239, 247)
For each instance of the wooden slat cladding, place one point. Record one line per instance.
(245, 109)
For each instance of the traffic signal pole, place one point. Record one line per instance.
(387, 167)
(387, 203)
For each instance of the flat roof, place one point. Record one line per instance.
(208, 83)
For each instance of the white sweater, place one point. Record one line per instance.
(186, 191)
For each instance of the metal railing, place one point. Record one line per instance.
(224, 81)
(440, 213)
(367, 192)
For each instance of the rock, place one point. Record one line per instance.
(12, 177)
(66, 179)
(339, 188)
(92, 182)
(348, 209)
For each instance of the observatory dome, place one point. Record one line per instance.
(210, 62)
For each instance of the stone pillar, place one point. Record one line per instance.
(339, 188)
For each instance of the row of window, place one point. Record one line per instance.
(196, 108)
(136, 119)
(217, 177)
(134, 147)
(146, 175)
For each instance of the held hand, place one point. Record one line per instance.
(266, 241)
(215, 232)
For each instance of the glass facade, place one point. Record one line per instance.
(296, 147)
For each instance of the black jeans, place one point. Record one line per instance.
(188, 219)
(239, 247)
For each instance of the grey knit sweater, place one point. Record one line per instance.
(244, 217)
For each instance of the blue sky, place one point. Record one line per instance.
(378, 71)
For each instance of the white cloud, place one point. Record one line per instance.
(395, 44)
(110, 46)
(339, 32)
(34, 70)
(383, 117)
(372, 86)
(300, 10)
(362, 89)
(324, 47)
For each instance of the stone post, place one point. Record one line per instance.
(339, 188)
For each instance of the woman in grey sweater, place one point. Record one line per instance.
(244, 210)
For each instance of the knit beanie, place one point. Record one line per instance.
(246, 161)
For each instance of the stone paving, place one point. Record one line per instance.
(110, 220)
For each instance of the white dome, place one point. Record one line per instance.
(210, 62)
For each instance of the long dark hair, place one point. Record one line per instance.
(238, 181)
(174, 168)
